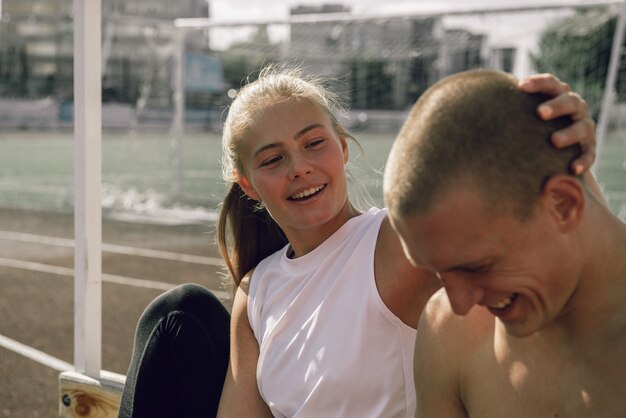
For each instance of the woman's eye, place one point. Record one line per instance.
(316, 143)
(270, 161)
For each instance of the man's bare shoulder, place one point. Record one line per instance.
(447, 349)
(440, 322)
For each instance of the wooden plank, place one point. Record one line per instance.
(81, 396)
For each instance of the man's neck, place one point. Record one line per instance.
(597, 308)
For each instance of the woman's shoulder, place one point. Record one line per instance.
(255, 277)
(271, 259)
(376, 211)
(372, 216)
(388, 241)
(244, 284)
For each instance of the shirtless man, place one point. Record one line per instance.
(478, 196)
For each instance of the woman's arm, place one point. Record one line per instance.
(240, 396)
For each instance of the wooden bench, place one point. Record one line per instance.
(81, 396)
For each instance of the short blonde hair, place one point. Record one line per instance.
(479, 127)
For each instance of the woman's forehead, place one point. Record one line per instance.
(284, 119)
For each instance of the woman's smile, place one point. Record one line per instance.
(307, 193)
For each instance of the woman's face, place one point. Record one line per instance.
(293, 161)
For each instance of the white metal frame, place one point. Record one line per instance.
(88, 154)
(88, 177)
(616, 51)
(348, 17)
(177, 131)
(87, 187)
(611, 78)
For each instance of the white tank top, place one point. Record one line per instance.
(329, 346)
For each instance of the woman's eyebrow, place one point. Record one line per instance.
(265, 147)
(307, 129)
(295, 137)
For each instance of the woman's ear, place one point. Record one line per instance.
(565, 200)
(344, 148)
(248, 189)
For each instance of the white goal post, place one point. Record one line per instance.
(611, 78)
(87, 186)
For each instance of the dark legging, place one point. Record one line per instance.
(180, 356)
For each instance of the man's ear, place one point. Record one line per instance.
(565, 199)
(248, 189)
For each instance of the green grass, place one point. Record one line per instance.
(36, 170)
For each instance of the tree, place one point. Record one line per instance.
(577, 49)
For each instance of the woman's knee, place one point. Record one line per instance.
(190, 298)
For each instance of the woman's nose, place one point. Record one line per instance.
(299, 166)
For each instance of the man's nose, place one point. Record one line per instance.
(462, 293)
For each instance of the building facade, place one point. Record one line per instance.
(36, 47)
(384, 63)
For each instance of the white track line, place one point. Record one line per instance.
(38, 267)
(34, 354)
(110, 248)
(53, 362)
(109, 278)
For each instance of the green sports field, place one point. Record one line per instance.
(138, 174)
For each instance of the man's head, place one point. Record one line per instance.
(475, 126)
(477, 193)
